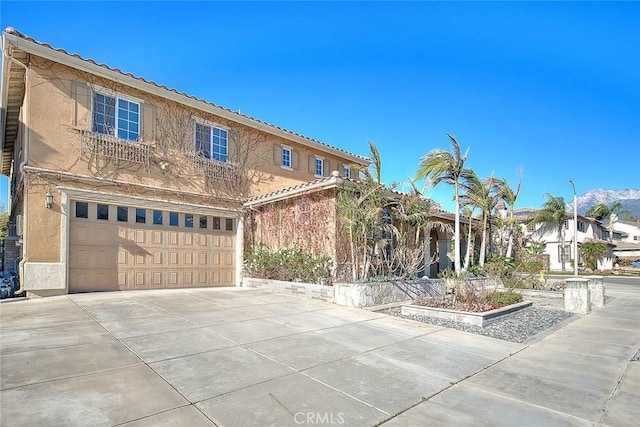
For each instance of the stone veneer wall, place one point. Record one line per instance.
(371, 294)
(307, 290)
(362, 295)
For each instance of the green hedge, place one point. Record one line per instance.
(288, 264)
(503, 298)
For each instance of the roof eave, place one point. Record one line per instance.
(326, 184)
(98, 70)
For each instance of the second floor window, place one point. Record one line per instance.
(116, 116)
(286, 157)
(319, 170)
(211, 142)
(346, 172)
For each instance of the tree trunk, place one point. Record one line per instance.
(456, 242)
(467, 257)
(352, 249)
(510, 244)
(483, 245)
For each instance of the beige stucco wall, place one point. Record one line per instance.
(55, 143)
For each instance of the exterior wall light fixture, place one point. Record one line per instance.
(48, 199)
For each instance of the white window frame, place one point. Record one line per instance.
(290, 165)
(315, 166)
(95, 89)
(346, 171)
(212, 125)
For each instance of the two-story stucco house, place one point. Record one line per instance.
(588, 230)
(117, 182)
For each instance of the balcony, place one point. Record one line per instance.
(112, 147)
(213, 168)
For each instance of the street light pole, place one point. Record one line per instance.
(575, 229)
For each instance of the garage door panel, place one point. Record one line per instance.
(202, 259)
(173, 258)
(141, 259)
(112, 254)
(188, 259)
(174, 238)
(79, 234)
(140, 279)
(157, 237)
(122, 280)
(228, 259)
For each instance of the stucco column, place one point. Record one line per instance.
(577, 296)
(239, 250)
(596, 290)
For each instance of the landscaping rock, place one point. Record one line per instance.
(516, 328)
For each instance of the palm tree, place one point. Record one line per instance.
(484, 195)
(509, 196)
(443, 166)
(593, 251)
(611, 213)
(360, 205)
(553, 211)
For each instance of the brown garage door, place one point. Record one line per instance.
(123, 247)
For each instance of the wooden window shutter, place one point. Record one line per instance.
(148, 122)
(326, 167)
(81, 95)
(340, 168)
(277, 154)
(295, 159)
(312, 164)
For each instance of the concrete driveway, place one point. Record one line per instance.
(235, 357)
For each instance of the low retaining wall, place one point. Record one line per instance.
(535, 293)
(379, 293)
(362, 295)
(478, 319)
(307, 290)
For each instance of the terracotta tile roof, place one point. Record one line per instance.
(326, 182)
(321, 184)
(14, 32)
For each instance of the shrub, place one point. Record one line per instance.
(503, 298)
(530, 265)
(516, 282)
(499, 266)
(288, 264)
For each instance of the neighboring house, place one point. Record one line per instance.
(284, 218)
(588, 230)
(626, 236)
(117, 182)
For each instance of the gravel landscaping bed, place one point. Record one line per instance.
(516, 328)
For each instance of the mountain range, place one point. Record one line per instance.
(629, 198)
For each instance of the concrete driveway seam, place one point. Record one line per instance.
(142, 362)
(603, 411)
(451, 384)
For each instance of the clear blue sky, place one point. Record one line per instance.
(552, 88)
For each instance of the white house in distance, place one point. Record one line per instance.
(626, 236)
(588, 230)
